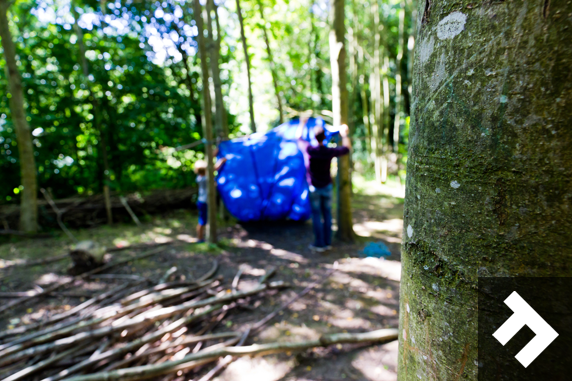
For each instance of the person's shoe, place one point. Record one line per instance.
(329, 247)
(317, 249)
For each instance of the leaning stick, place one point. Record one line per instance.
(236, 280)
(19, 302)
(149, 371)
(58, 215)
(129, 210)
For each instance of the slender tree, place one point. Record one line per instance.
(96, 111)
(214, 53)
(28, 203)
(207, 125)
(247, 60)
(488, 174)
(187, 80)
(271, 61)
(398, 78)
(340, 112)
(377, 103)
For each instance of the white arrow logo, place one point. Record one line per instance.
(525, 315)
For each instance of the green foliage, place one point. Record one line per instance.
(141, 87)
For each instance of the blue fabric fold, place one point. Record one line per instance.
(264, 177)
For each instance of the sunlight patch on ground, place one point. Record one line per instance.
(256, 369)
(51, 278)
(281, 253)
(378, 363)
(369, 228)
(373, 266)
(371, 187)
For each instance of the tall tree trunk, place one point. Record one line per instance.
(188, 81)
(398, 97)
(212, 233)
(488, 175)
(385, 123)
(219, 39)
(271, 62)
(102, 145)
(317, 74)
(247, 59)
(377, 103)
(214, 49)
(28, 203)
(340, 111)
(220, 113)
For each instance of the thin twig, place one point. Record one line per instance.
(58, 215)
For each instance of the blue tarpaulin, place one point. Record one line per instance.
(264, 177)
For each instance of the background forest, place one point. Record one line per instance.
(112, 88)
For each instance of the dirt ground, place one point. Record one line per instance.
(361, 295)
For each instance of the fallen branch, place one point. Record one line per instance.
(35, 262)
(189, 361)
(43, 364)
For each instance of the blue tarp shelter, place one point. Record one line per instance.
(264, 177)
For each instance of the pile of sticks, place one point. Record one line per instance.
(141, 331)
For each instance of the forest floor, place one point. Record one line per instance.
(361, 295)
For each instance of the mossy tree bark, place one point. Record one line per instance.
(340, 111)
(247, 60)
(207, 125)
(28, 204)
(489, 174)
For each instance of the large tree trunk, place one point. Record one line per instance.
(28, 208)
(214, 48)
(340, 111)
(207, 126)
(96, 113)
(271, 62)
(489, 171)
(247, 59)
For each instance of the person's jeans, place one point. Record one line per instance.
(321, 201)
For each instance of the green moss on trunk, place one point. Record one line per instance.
(489, 175)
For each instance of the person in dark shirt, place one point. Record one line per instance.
(319, 161)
